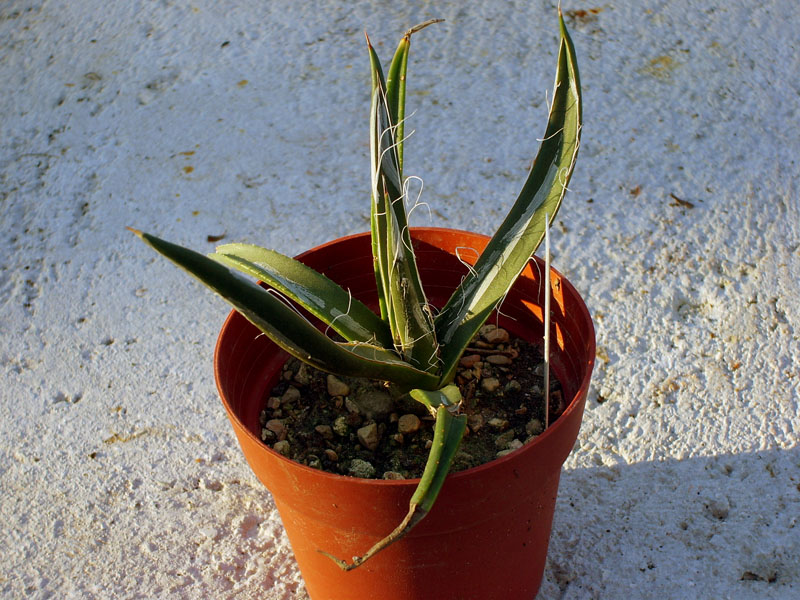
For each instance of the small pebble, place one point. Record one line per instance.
(282, 447)
(428, 444)
(361, 468)
(502, 441)
(469, 361)
(496, 336)
(393, 475)
(514, 444)
(277, 427)
(498, 359)
(340, 427)
(490, 384)
(292, 394)
(273, 402)
(408, 424)
(302, 376)
(534, 427)
(398, 437)
(498, 424)
(325, 431)
(337, 387)
(475, 422)
(262, 418)
(314, 462)
(267, 435)
(368, 436)
(331, 455)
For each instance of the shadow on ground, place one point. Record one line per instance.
(693, 528)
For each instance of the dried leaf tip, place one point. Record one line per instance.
(135, 231)
(422, 25)
(369, 45)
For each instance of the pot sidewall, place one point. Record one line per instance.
(488, 533)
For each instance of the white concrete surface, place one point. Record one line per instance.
(119, 473)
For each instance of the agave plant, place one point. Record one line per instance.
(409, 344)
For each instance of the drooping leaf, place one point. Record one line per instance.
(322, 297)
(287, 328)
(447, 434)
(523, 229)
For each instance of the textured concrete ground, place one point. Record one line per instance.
(119, 473)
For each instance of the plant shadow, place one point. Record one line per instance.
(701, 527)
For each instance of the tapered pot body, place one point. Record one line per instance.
(487, 536)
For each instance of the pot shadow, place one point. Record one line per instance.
(720, 526)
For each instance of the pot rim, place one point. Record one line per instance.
(542, 438)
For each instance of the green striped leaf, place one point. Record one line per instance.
(523, 229)
(289, 329)
(409, 317)
(322, 297)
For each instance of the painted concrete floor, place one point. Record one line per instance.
(119, 473)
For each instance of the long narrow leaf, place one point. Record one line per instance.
(523, 229)
(396, 87)
(286, 327)
(324, 298)
(409, 317)
(377, 213)
(387, 131)
(447, 436)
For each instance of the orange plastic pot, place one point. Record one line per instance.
(487, 535)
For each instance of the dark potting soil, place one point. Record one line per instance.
(364, 428)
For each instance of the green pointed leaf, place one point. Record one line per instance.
(396, 95)
(287, 328)
(394, 89)
(322, 297)
(377, 206)
(523, 229)
(409, 316)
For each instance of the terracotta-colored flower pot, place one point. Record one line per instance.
(487, 535)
